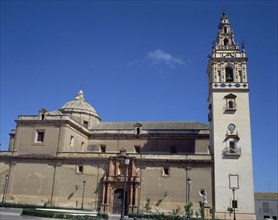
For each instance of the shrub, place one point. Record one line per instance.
(188, 209)
(148, 208)
(49, 214)
(16, 205)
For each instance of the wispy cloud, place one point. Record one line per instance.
(132, 62)
(160, 57)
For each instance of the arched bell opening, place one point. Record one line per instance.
(229, 74)
(226, 42)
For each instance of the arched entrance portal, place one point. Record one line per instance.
(118, 200)
(113, 186)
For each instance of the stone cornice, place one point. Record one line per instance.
(141, 159)
(196, 135)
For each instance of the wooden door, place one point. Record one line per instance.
(118, 200)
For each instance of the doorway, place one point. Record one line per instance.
(118, 200)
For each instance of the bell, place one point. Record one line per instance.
(229, 77)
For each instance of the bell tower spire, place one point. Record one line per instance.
(228, 61)
(230, 130)
(225, 36)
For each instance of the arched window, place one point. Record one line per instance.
(226, 42)
(137, 128)
(225, 30)
(231, 104)
(240, 76)
(229, 74)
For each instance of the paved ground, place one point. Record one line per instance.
(117, 217)
(114, 217)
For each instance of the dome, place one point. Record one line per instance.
(79, 105)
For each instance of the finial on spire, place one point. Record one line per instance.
(243, 45)
(223, 11)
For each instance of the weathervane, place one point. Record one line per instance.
(223, 10)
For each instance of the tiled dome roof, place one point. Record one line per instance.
(79, 105)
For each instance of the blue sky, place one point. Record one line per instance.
(136, 61)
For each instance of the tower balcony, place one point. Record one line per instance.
(232, 135)
(232, 152)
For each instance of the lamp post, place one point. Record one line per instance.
(188, 188)
(84, 182)
(126, 163)
(234, 202)
(5, 187)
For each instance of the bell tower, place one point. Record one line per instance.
(230, 132)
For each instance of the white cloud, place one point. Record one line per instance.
(160, 56)
(132, 62)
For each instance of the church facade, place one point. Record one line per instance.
(70, 158)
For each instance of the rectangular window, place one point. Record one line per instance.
(40, 136)
(86, 124)
(265, 207)
(232, 146)
(137, 149)
(80, 169)
(102, 148)
(166, 171)
(71, 141)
